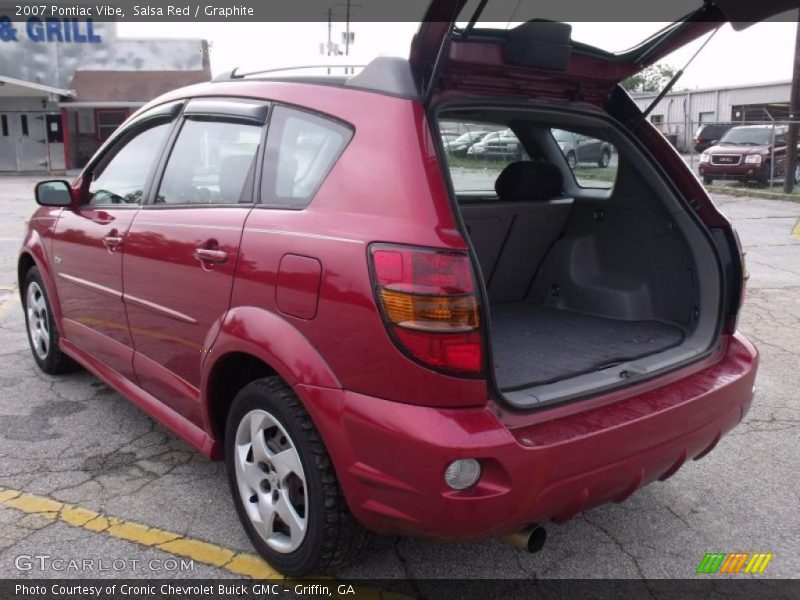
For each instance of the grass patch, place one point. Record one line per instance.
(598, 174)
(468, 162)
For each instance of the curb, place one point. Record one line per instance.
(752, 193)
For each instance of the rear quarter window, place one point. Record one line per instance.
(301, 149)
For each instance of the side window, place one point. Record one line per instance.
(592, 161)
(301, 150)
(211, 163)
(121, 175)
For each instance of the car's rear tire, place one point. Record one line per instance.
(605, 159)
(279, 471)
(708, 180)
(43, 334)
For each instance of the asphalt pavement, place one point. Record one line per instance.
(85, 475)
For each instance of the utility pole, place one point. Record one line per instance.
(794, 115)
(347, 31)
(330, 19)
(330, 15)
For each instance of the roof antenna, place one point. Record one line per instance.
(677, 76)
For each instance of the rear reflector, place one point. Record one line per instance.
(457, 352)
(428, 302)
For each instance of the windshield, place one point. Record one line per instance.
(562, 136)
(746, 136)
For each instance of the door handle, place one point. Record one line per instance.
(113, 241)
(207, 255)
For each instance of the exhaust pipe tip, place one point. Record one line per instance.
(531, 539)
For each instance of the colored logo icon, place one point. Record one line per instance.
(739, 562)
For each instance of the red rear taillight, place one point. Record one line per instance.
(428, 301)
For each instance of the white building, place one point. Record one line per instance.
(65, 85)
(679, 113)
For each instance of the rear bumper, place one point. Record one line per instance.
(390, 457)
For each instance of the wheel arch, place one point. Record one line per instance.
(32, 255)
(24, 264)
(254, 343)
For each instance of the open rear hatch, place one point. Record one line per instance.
(539, 59)
(584, 290)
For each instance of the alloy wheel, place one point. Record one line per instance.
(572, 162)
(38, 320)
(271, 481)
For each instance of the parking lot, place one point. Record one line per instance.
(86, 475)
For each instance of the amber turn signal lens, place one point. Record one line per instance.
(431, 313)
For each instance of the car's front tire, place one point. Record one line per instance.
(572, 160)
(764, 180)
(283, 483)
(40, 324)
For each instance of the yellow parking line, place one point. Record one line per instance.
(247, 565)
(238, 563)
(796, 229)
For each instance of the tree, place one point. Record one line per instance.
(651, 79)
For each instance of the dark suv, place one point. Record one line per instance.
(708, 134)
(746, 153)
(369, 349)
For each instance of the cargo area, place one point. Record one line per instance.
(595, 275)
(535, 344)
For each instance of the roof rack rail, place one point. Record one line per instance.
(385, 74)
(234, 74)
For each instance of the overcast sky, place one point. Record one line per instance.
(758, 54)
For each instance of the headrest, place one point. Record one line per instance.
(529, 180)
(234, 171)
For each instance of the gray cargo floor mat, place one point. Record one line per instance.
(535, 345)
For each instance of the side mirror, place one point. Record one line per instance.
(53, 193)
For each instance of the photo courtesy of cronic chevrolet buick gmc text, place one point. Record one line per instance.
(288, 274)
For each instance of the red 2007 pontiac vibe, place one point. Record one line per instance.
(294, 275)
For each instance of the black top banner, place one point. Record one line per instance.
(495, 11)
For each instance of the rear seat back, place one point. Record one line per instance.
(512, 235)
